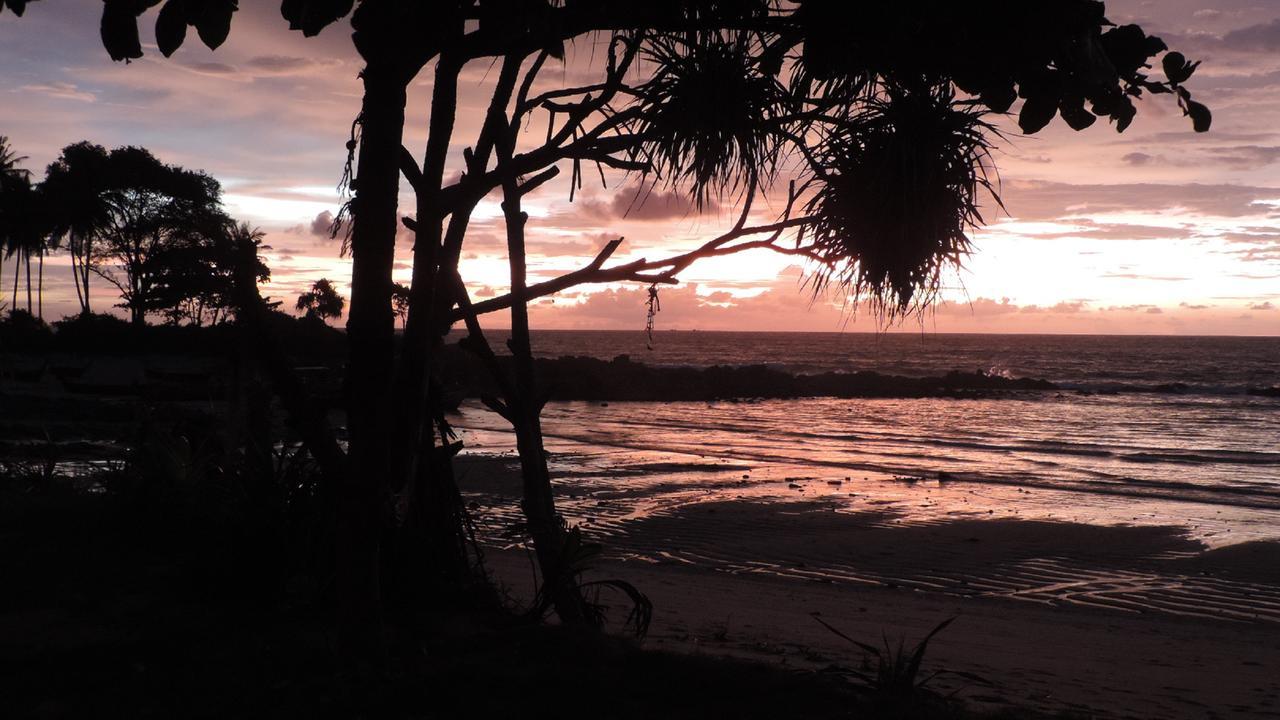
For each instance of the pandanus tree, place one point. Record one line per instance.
(876, 117)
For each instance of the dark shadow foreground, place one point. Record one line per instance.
(108, 614)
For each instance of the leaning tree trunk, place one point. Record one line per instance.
(86, 257)
(525, 407)
(75, 271)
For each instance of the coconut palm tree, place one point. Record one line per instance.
(10, 177)
(24, 232)
(21, 218)
(76, 192)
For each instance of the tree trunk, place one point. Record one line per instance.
(75, 271)
(137, 315)
(538, 503)
(40, 288)
(26, 258)
(431, 507)
(370, 333)
(86, 258)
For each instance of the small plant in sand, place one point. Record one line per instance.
(578, 557)
(890, 678)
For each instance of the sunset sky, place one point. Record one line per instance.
(1157, 230)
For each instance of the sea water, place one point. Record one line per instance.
(1143, 430)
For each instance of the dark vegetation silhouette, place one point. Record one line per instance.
(400, 302)
(322, 301)
(154, 213)
(155, 232)
(872, 121)
(195, 273)
(21, 222)
(78, 180)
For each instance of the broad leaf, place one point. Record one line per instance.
(312, 16)
(1037, 112)
(1073, 112)
(999, 99)
(214, 21)
(171, 26)
(1201, 118)
(1177, 69)
(1124, 114)
(120, 31)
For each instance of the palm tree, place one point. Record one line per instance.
(77, 195)
(10, 177)
(26, 232)
(21, 226)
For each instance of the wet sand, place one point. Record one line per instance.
(1105, 621)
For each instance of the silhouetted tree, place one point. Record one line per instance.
(12, 176)
(709, 97)
(400, 302)
(322, 301)
(152, 209)
(194, 274)
(23, 222)
(80, 198)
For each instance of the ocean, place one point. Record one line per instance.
(1143, 431)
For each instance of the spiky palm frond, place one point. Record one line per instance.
(24, 217)
(9, 162)
(709, 116)
(895, 193)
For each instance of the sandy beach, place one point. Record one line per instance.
(1094, 621)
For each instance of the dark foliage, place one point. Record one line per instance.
(194, 276)
(400, 301)
(21, 329)
(109, 335)
(1056, 54)
(897, 193)
(710, 119)
(321, 301)
(140, 211)
(17, 6)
